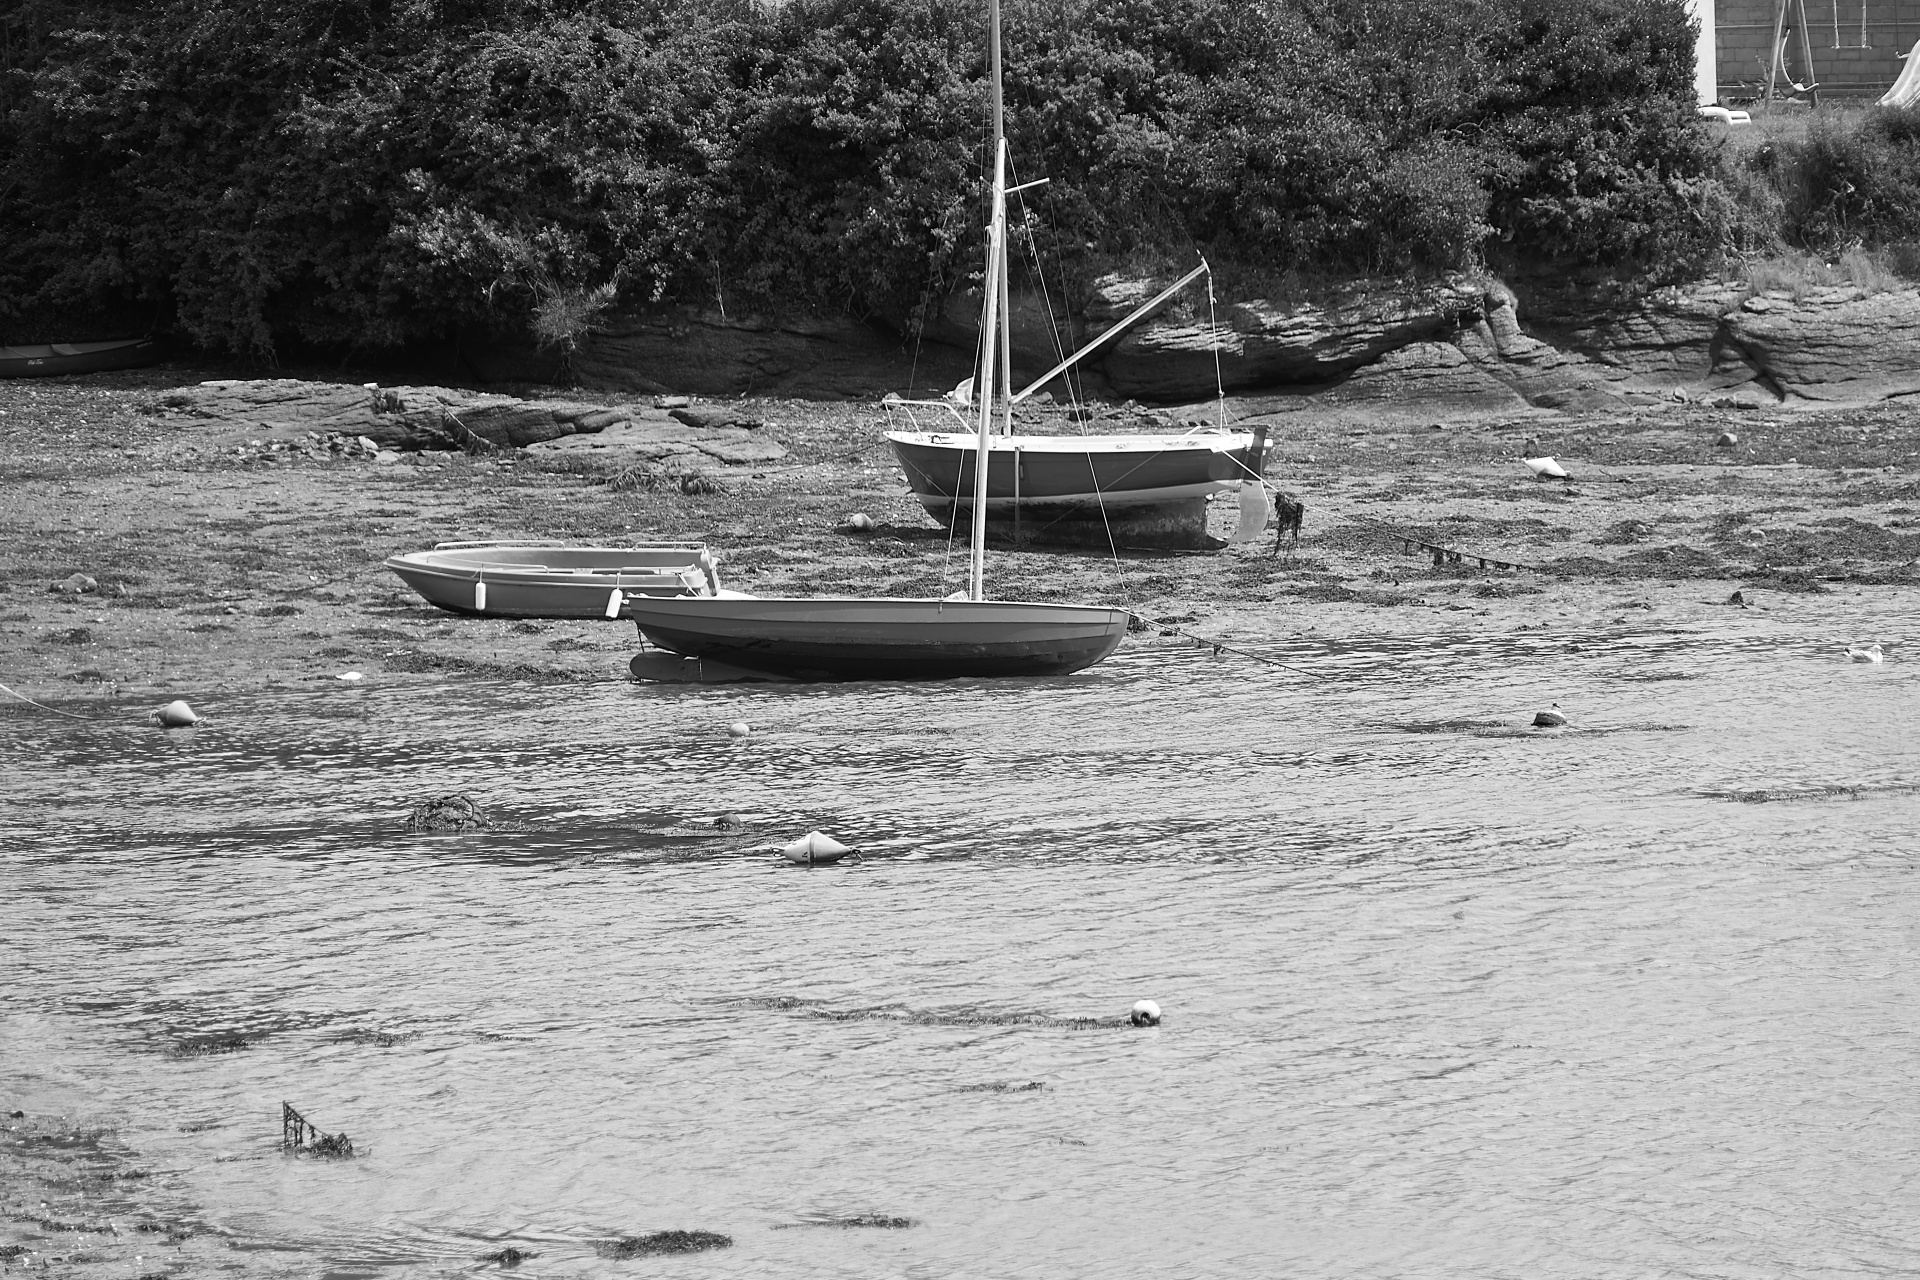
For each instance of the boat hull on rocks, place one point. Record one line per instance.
(884, 639)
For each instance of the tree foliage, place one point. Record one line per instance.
(369, 172)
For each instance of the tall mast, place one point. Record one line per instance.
(990, 348)
(994, 382)
(1003, 387)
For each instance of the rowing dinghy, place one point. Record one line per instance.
(51, 359)
(553, 579)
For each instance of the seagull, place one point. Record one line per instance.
(962, 394)
(1869, 654)
(1545, 468)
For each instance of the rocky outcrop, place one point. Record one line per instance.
(1466, 342)
(1817, 345)
(706, 352)
(439, 418)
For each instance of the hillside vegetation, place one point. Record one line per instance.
(365, 173)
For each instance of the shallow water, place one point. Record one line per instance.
(1444, 997)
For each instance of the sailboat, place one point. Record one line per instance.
(1132, 489)
(869, 638)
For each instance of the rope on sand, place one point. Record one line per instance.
(1443, 556)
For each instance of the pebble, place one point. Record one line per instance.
(1549, 719)
(1738, 598)
(859, 522)
(1725, 440)
(1145, 1014)
(76, 585)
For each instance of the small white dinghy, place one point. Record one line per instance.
(554, 579)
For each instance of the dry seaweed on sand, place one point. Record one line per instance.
(878, 1221)
(662, 1242)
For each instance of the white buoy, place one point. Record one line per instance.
(615, 599)
(1869, 654)
(1545, 468)
(348, 676)
(816, 848)
(480, 596)
(738, 729)
(176, 715)
(1145, 1014)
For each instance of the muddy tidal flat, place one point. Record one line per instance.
(1447, 994)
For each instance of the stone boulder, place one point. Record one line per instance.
(443, 418)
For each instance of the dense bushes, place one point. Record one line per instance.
(366, 172)
(1838, 181)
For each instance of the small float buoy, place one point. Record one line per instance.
(815, 848)
(738, 729)
(176, 715)
(1545, 468)
(480, 597)
(1549, 719)
(348, 676)
(1869, 654)
(1145, 1014)
(615, 599)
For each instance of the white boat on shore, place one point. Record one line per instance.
(521, 579)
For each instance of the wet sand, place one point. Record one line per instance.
(221, 567)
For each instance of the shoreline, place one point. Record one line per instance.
(220, 567)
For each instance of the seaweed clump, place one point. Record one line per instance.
(661, 1242)
(456, 812)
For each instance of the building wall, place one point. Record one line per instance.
(1743, 32)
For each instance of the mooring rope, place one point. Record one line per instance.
(43, 706)
(1220, 646)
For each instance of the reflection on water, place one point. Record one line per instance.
(1445, 996)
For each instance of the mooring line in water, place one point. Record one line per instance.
(1219, 648)
(43, 706)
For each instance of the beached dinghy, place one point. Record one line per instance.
(552, 579)
(883, 639)
(51, 359)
